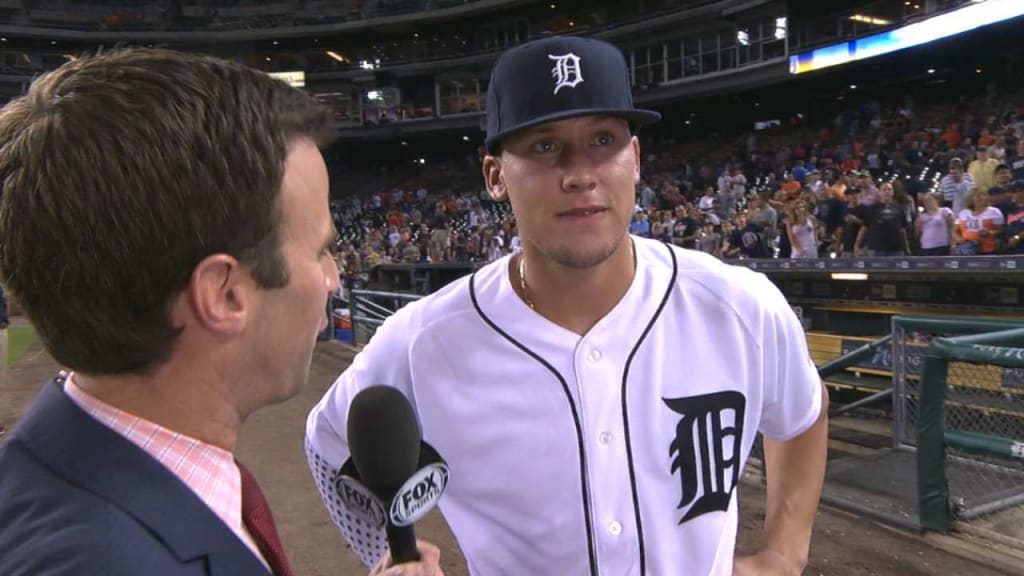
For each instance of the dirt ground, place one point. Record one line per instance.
(271, 446)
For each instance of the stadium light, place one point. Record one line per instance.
(870, 20)
(849, 276)
(780, 28)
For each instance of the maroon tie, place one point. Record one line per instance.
(257, 518)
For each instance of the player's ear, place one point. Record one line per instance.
(636, 160)
(493, 178)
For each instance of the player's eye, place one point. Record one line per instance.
(545, 146)
(604, 139)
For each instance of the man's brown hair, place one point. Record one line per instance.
(119, 173)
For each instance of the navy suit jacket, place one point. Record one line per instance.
(77, 498)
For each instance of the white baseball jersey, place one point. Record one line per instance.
(614, 453)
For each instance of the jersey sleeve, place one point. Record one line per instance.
(792, 387)
(384, 361)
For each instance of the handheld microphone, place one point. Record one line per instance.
(404, 474)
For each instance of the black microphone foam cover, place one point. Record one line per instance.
(384, 438)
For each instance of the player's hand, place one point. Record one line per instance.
(429, 564)
(765, 563)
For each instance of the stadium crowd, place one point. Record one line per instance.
(879, 180)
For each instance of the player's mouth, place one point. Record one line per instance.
(582, 213)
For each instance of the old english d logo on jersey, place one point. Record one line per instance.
(700, 446)
(566, 72)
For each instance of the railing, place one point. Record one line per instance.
(370, 308)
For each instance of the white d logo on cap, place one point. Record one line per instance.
(567, 71)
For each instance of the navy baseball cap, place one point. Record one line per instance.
(556, 78)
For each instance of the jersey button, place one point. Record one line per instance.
(595, 355)
(605, 438)
(615, 528)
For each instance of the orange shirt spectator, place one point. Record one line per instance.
(396, 219)
(791, 188)
(979, 222)
(952, 136)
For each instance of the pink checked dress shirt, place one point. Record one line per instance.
(209, 471)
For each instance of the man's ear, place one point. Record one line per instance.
(220, 294)
(493, 178)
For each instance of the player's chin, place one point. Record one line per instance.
(587, 252)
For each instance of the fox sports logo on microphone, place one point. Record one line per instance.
(419, 494)
(358, 499)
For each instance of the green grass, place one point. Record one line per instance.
(19, 338)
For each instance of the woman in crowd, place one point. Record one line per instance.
(801, 232)
(934, 227)
(978, 226)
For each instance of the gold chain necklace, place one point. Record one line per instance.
(522, 275)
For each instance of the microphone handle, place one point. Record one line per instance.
(402, 541)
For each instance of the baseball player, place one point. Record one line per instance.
(596, 395)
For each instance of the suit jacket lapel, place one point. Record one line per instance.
(94, 457)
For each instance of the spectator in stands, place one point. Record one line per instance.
(438, 246)
(746, 240)
(1002, 177)
(707, 201)
(660, 228)
(647, 195)
(955, 185)
(999, 194)
(736, 189)
(830, 214)
(1000, 198)
(982, 169)
(800, 172)
(1015, 220)
(771, 184)
(763, 215)
(884, 232)
(978, 226)
(934, 227)
(998, 149)
(474, 244)
(515, 243)
(410, 253)
(710, 240)
(1016, 161)
(790, 188)
(686, 227)
(494, 249)
(816, 185)
(640, 226)
(869, 192)
(801, 228)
